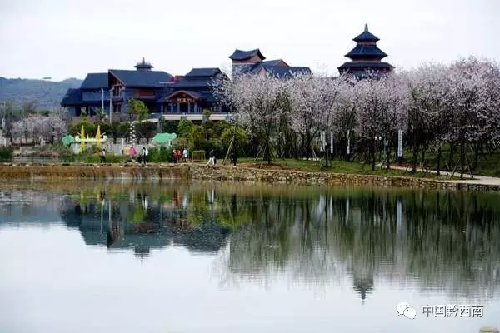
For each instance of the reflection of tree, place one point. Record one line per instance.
(443, 239)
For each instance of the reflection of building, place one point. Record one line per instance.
(122, 229)
(366, 57)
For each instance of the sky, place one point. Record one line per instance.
(67, 38)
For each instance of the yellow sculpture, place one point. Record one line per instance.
(98, 136)
(98, 140)
(82, 139)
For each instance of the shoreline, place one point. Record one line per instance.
(190, 171)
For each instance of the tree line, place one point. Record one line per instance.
(455, 105)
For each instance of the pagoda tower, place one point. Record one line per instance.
(143, 66)
(366, 57)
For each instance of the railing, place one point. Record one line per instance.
(216, 116)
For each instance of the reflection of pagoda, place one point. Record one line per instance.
(366, 57)
(363, 286)
(362, 277)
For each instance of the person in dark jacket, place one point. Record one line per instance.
(211, 158)
(103, 155)
(234, 157)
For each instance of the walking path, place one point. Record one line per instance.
(477, 180)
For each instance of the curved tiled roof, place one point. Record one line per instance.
(73, 97)
(146, 79)
(366, 36)
(244, 55)
(203, 72)
(271, 63)
(363, 51)
(95, 81)
(365, 65)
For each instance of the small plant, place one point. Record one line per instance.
(161, 154)
(6, 154)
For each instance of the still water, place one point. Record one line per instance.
(213, 257)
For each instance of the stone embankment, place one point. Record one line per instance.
(225, 173)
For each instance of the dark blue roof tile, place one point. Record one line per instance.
(95, 81)
(244, 55)
(203, 72)
(271, 63)
(363, 51)
(146, 79)
(73, 97)
(185, 84)
(366, 36)
(365, 65)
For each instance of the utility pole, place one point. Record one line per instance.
(111, 105)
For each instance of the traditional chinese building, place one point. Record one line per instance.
(173, 98)
(89, 97)
(143, 84)
(192, 94)
(366, 57)
(246, 62)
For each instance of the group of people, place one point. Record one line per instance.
(177, 155)
(143, 156)
(212, 160)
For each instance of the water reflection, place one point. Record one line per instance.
(144, 221)
(442, 240)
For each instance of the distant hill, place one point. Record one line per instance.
(44, 95)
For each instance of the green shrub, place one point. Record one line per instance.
(6, 153)
(87, 157)
(162, 154)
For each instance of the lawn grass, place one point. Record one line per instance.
(488, 163)
(337, 167)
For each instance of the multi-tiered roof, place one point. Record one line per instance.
(366, 57)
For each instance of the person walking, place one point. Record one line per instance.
(103, 155)
(144, 155)
(177, 155)
(185, 155)
(234, 157)
(211, 158)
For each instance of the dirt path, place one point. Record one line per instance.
(477, 180)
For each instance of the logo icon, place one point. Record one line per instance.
(404, 309)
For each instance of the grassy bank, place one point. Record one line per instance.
(488, 163)
(336, 167)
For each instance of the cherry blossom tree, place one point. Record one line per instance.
(258, 101)
(475, 104)
(38, 127)
(457, 104)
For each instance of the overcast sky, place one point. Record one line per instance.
(66, 38)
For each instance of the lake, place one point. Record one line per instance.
(234, 257)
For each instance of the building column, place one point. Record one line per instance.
(171, 107)
(178, 107)
(196, 107)
(220, 108)
(189, 107)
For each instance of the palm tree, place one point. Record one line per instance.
(101, 114)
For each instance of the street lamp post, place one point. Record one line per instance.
(378, 140)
